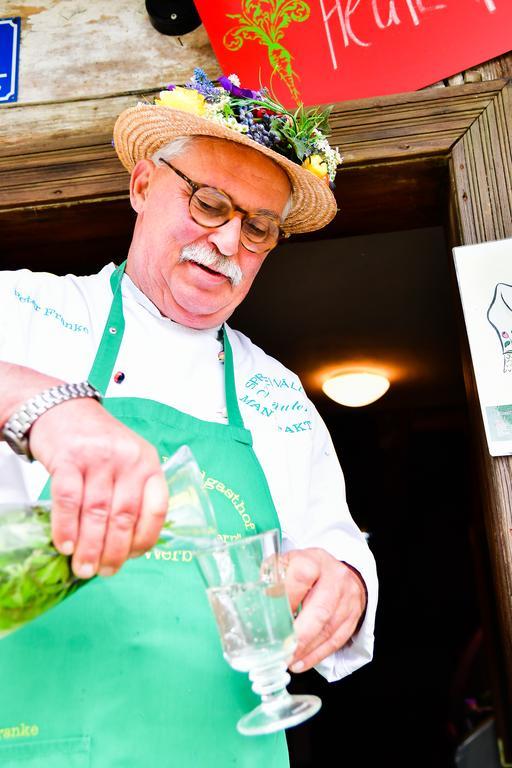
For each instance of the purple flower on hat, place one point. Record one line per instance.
(238, 93)
(170, 87)
(203, 85)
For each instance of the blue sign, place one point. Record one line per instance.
(9, 57)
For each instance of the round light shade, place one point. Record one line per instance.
(356, 388)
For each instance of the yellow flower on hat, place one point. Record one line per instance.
(317, 165)
(186, 99)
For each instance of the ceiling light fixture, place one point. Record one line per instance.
(355, 388)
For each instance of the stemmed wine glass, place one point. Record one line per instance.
(245, 586)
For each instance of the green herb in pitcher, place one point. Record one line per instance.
(34, 576)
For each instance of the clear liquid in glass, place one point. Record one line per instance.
(255, 624)
(245, 585)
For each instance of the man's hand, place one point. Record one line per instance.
(333, 599)
(109, 496)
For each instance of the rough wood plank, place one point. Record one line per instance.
(483, 162)
(66, 175)
(494, 69)
(481, 171)
(410, 125)
(48, 127)
(62, 151)
(44, 126)
(88, 48)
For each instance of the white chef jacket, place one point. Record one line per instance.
(54, 325)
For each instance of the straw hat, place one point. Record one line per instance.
(142, 130)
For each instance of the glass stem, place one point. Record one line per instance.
(270, 684)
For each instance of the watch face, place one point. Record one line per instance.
(18, 446)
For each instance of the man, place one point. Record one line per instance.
(129, 671)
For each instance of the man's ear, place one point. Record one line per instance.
(139, 183)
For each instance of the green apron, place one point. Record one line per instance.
(128, 672)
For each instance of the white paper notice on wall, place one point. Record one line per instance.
(484, 274)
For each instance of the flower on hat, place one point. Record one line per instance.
(185, 99)
(301, 136)
(232, 85)
(317, 165)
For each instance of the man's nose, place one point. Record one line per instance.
(227, 237)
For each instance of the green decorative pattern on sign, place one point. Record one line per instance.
(265, 22)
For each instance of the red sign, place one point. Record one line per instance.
(321, 51)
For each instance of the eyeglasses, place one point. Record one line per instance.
(210, 207)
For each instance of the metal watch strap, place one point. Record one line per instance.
(16, 429)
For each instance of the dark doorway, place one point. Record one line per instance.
(389, 298)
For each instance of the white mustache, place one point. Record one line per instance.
(201, 254)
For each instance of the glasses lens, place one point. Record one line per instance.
(210, 207)
(259, 232)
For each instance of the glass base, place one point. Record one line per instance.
(284, 712)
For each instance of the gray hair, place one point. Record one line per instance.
(178, 146)
(173, 148)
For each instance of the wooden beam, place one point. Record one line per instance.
(51, 153)
(410, 124)
(481, 210)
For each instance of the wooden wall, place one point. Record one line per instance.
(80, 49)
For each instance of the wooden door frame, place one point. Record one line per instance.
(60, 154)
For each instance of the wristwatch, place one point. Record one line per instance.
(17, 428)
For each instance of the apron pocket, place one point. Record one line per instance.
(55, 753)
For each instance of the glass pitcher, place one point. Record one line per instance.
(34, 576)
